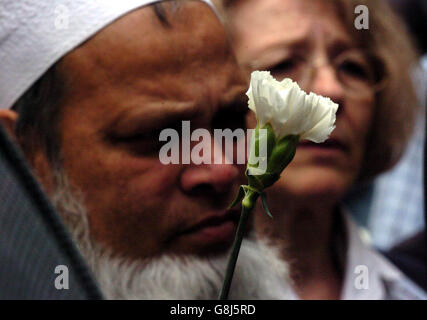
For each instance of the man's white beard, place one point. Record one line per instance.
(259, 274)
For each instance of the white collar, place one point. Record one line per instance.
(369, 275)
(366, 271)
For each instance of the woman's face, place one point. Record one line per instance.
(273, 35)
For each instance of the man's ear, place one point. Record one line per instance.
(36, 161)
(8, 120)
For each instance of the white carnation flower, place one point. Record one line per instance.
(285, 114)
(290, 110)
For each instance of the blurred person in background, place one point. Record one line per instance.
(380, 204)
(367, 72)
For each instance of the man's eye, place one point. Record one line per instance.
(139, 137)
(140, 143)
(145, 142)
(147, 135)
(230, 119)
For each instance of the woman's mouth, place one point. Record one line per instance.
(328, 148)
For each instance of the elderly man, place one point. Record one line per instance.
(86, 95)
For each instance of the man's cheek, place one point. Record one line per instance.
(160, 182)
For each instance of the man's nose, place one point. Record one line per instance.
(218, 175)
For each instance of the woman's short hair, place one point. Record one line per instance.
(396, 104)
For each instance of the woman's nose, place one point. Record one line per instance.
(327, 84)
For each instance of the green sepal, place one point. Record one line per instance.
(255, 181)
(260, 182)
(239, 197)
(264, 204)
(282, 154)
(269, 140)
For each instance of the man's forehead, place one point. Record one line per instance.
(139, 62)
(139, 44)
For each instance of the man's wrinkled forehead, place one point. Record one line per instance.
(140, 45)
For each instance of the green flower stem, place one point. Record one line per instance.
(248, 204)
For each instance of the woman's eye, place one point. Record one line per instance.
(354, 69)
(286, 68)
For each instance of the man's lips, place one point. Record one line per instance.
(213, 229)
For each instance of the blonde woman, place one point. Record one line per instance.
(367, 73)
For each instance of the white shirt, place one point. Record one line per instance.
(369, 275)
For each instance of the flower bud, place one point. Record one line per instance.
(279, 153)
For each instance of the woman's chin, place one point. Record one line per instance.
(313, 182)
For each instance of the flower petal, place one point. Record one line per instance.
(290, 110)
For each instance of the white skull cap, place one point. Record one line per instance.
(34, 34)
